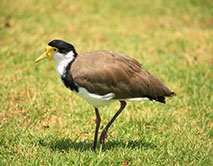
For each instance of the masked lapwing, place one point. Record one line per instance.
(101, 77)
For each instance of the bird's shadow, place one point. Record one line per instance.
(65, 144)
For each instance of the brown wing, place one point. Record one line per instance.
(103, 72)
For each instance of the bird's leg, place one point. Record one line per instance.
(104, 132)
(98, 121)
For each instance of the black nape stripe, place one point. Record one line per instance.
(68, 80)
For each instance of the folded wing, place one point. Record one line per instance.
(104, 72)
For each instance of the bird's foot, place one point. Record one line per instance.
(103, 136)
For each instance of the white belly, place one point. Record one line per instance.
(94, 99)
(100, 101)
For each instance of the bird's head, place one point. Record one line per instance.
(58, 50)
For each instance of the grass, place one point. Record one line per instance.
(43, 123)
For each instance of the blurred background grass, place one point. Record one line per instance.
(42, 123)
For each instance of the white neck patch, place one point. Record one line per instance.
(62, 60)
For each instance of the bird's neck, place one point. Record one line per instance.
(63, 66)
(62, 63)
(67, 78)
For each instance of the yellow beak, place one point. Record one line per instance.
(49, 53)
(43, 56)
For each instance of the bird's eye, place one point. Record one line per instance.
(55, 49)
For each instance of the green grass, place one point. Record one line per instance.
(43, 123)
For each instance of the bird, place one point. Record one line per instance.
(101, 77)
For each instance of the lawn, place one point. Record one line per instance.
(43, 123)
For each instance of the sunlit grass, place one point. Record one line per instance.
(43, 123)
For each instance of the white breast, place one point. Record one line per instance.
(61, 61)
